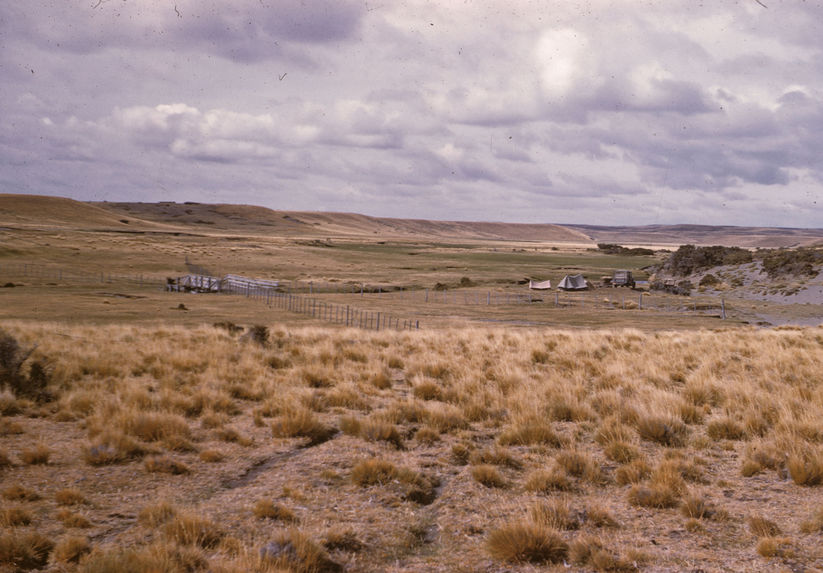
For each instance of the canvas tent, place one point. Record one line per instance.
(573, 282)
(545, 285)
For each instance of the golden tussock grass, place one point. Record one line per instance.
(618, 423)
(19, 492)
(267, 509)
(293, 550)
(71, 548)
(25, 551)
(526, 543)
(15, 516)
(70, 519)
(39, 454)
(69, 496)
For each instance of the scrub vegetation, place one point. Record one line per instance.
(328, 449)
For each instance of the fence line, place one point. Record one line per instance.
(44, 272)
(285, 291)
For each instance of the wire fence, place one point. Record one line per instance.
(74, 275)
(306, 297)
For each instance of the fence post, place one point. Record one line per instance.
(640, 304)
(378, 322)
(427, 295)
(347, 315)
(723, 308)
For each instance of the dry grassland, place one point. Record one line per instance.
(312, 449)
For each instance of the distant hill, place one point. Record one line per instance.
(247, 218)
(36, 211)
(702, 235)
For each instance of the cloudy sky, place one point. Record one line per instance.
(602, 112)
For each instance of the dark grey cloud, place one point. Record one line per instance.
(603, 112)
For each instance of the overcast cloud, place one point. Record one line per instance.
(600, 112)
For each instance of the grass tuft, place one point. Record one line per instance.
(25, 551)
(293, 550)
(526, 543)
(71, 548)
(488, 475)
(267, 509)
(301, 423)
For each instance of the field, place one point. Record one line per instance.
(144, 430)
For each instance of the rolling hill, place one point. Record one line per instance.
(34, 211)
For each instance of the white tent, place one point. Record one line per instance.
(573, 282)
(545, 285)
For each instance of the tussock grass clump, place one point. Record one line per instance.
(18, 492)
(417, 487)
(154, 426)
(461, 453)
(815, 524)
(212, 456)
(69, 496)
(342, 539)
(762, 527)
(24, 551)
(760, 456)
(591, 551)
(665, 488)
(231, 435)
(427, 390)
(267, 509)
(166, 465)
(697, 507)
(14, 516)
(580, 465)
(156, 514)
(725, 428)
(188, 529)
(113, 447)
(38, 455)
(557, 514)
(526, 543)
(489, 476)
(806, 467)
(293, 550)
(776, 547)
(427, 436)
(302, 423)
(154, 558)
(547, 481)
(495, 456)
(373, 472)
(10, 427)
(347, 397)
(373, 430)
(666, 431)
(70, 519)
(445, 417)
(621, 452)
(529, 432)
(316, 377)
(71, 548)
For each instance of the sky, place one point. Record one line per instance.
(622, 112)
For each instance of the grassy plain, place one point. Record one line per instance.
(506, 437)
